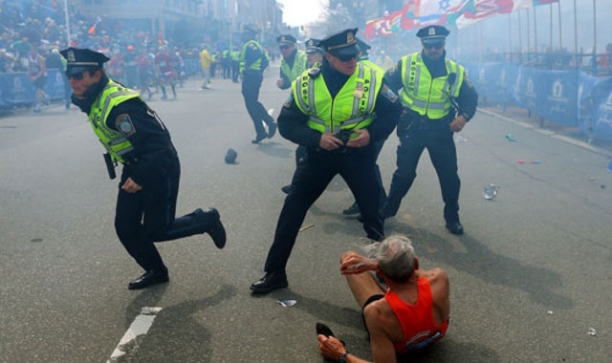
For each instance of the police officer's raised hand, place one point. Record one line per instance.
(458, 123)
(329, 142)
(362, 139)
(130, 186)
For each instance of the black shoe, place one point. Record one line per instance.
(286, 189)
(326, 331)
(455, 227)
(149, 278)
(272, 281)
(271, 130)
(217, 231)
(258, 138)
(353, 210)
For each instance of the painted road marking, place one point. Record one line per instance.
(140, 326)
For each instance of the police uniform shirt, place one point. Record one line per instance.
(292, 122)
(468, 97)
(252, 54)
(153, 149)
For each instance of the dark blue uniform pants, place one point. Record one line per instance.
(313, 174)
(437, 138)
(147, 216)
(251, 83)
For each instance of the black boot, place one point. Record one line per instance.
(270, 282)
(151, 277)
(212, 220)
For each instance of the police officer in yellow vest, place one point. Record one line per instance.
(439, 100)
(337, 113)
(293, 61)
(134, 136)
(253, 62)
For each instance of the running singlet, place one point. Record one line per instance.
(417, 321)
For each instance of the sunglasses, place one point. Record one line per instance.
(433, 45)
(283, 47)
(77, 76)
(346, 58)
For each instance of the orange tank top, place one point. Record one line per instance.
(417, 320)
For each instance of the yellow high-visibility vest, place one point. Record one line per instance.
(424, 95)
(115, 142)
(351, 109)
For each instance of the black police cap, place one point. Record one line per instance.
(314, 45)
(342, 43)
(433, 34)
(363, 46)
(230, 156)
(80, 60)
(286, 39)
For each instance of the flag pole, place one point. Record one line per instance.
(528, 37)
(551, 27)
(560, 27)
(67, 16)
(535, 32)
(594, 27)
(520, 34)
(510, 32)
(575, 29)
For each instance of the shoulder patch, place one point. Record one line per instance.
(388, 93)
(124, 125)
(289, 101)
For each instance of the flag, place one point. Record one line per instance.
(479, 10)
(435, 12)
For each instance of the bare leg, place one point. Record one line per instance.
(363, 286)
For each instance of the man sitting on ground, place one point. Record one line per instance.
(411, 314)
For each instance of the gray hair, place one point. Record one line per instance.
(395, 257)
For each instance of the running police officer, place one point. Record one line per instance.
(338, 140)
(133, 135)
(253, 62)
(439, 100)
(293, 62)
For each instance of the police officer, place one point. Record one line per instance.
(314, 53)
(133, 135)
(338, 140)
(440, 100)
(314, 57)
(253, 61)
(293, 61)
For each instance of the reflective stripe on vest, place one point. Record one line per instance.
(424, 95)
(113, 141)
(299, 65)
(255, 65)
(351, 109)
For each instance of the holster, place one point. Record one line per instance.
(110, 166)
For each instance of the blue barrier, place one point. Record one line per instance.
(569, 98)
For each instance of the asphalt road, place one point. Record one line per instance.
(531, 280)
